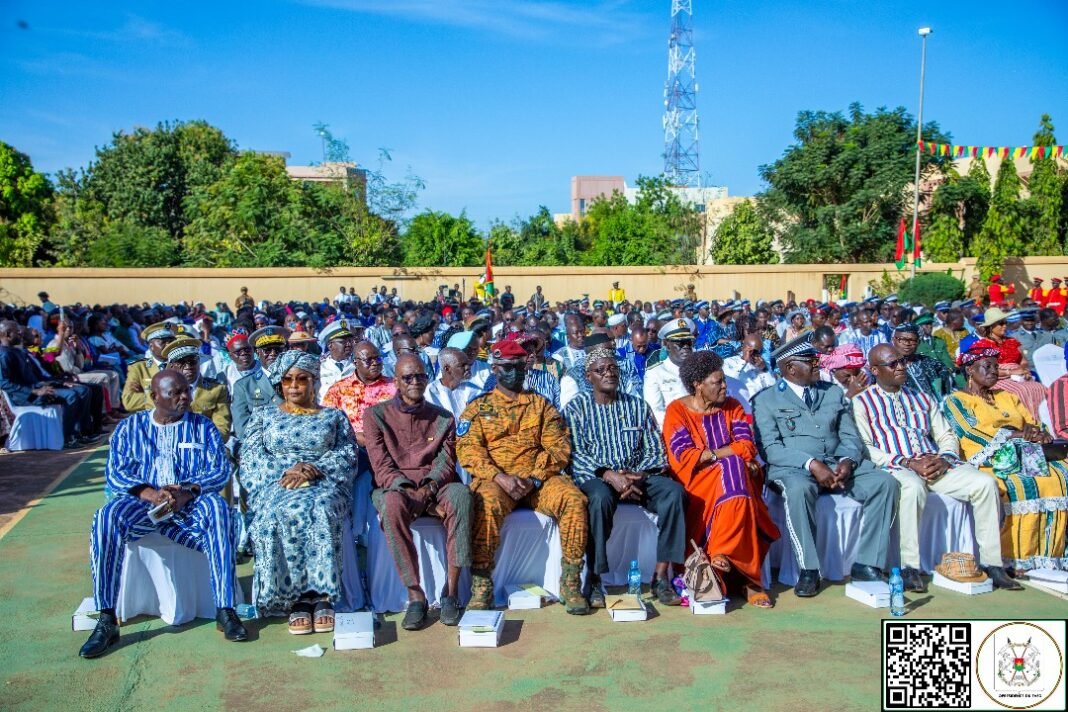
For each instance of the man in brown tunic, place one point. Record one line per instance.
(411, 445)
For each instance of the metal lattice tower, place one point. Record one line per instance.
(682, 165)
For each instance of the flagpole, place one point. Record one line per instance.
(923, 32)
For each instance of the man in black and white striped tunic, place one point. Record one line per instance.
(617, 455)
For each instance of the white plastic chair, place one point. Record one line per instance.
(35, 427)
(1049, 363)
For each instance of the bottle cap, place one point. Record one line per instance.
(895, 571)
(634, 564)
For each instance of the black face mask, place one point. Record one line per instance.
(512, 377)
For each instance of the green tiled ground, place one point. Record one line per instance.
(822, 653)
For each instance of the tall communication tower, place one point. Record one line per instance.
(682, 165)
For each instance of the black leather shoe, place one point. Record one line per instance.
(913, 580)
(103, 637)
(415, 615)
(1001, 579)
(450, 610)
(227, 621)
(860, 572)
(808, 583)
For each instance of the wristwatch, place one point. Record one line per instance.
(536, 482)
(715, 457)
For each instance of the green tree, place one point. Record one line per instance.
(1001, 235)
(252, 217)
(506, 245)
(743, 238)
(347, 233)
(1041, 211)
(838, 193)
(956, 213)
(658, 229)
(975, 197)
(145, 176)
(126, 244)
(438, 239)
(26, 211)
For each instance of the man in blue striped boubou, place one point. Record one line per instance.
(172, 462)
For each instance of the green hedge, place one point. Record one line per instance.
(927, 289)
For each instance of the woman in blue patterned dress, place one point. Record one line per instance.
(297, 461)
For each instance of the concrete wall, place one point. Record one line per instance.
(106, 286)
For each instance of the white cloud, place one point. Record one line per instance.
(135, 29)
(596, 22)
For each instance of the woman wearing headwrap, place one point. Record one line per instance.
(797, 325)
(711, 452)
(297, 461)
(1000, 436)
(1015, 377)
(846, 366)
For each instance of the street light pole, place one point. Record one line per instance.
(923, 32)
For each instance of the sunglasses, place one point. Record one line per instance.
(369, 359)
(606, 371)
(682, 343)
(410, 378)
(893, 365)
(512, 367)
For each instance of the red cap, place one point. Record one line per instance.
(1040, 280)
(509, 351)
(1056, 280)
(995, 278)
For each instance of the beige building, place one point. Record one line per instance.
(348, 173)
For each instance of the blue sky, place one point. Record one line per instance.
(497, 103)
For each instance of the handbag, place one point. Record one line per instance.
(701, 577)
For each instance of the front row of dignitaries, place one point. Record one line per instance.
(301, 459)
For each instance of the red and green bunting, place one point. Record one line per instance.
(954, 151)
(907, 246)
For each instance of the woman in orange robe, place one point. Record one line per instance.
(711, 452)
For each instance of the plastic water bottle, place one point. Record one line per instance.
(897, 593)
(246, 611)
(634, 579)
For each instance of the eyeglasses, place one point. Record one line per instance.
(605, 370)
(682, 343)
(241, 351)
(369, 359)
(893, 365)
(511, 367)
(410, 378)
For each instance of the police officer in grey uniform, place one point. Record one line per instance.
(806, 434)
(255, 391)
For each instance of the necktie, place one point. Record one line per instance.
(808, 398)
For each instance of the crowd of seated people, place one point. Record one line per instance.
(303, 421)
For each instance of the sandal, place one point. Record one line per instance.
(758, 598)
(720, 563)
(324, 610)
(300, 619)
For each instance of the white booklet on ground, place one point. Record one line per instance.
(481, 629)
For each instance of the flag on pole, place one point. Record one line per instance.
(916, 244)
(899, 254)
(487, 276)
(908, 246)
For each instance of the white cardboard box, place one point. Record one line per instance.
(1049, 579)
(85, 617)
(481, 629)
(354, 631)
(525, 597)
(875, 594)
(967, 588)
(706, 608)
(624, 615)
